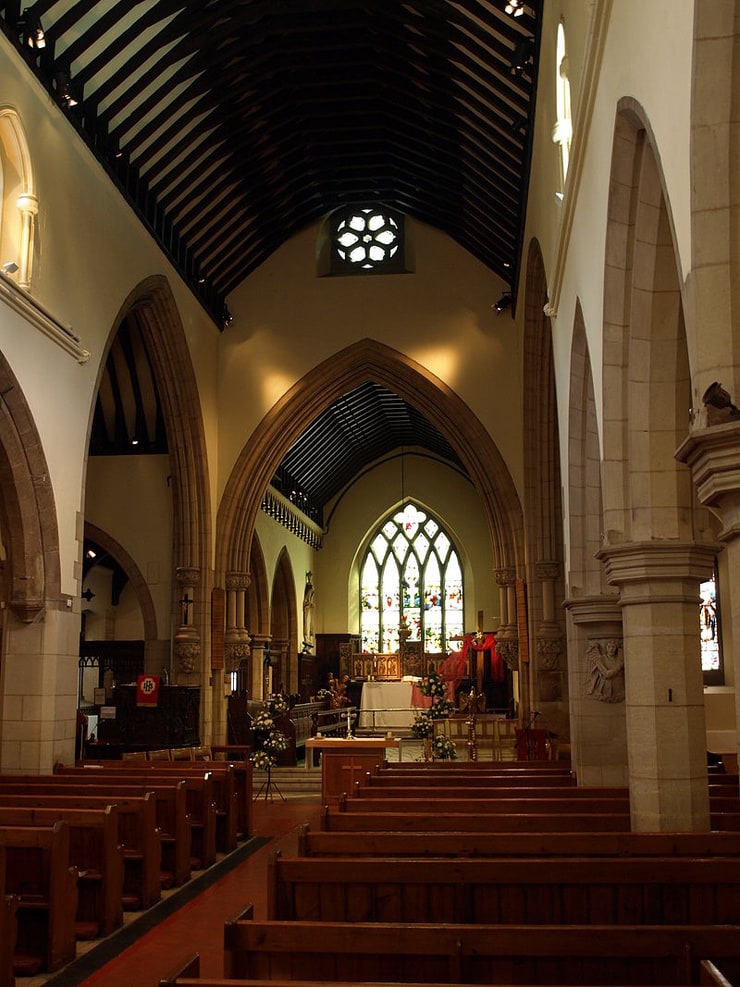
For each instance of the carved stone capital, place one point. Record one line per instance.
(547, 570)
(238, 580)
(187, 648)
(549, 651)
(26, 610)
(505, 577)
(509, 651)
(234, 653)
(187, 575)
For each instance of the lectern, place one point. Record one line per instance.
(344, 761)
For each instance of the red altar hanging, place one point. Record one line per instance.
(481, 643)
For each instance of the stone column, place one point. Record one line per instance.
(236, 637)
(666, 732)
(187, 637)
(507, 636)
(549, 685)
(713, 455)
(260, 643)
(598, 722)
(28, 206)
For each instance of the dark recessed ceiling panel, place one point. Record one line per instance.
(229, 125)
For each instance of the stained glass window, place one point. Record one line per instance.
(367, 239)
(411, 574)
(711, 654)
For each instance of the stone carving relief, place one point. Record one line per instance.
(605, 680)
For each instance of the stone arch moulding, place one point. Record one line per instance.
(30, 517)
(15, 147)
(367, 360)
(154, 306)
(138, 583)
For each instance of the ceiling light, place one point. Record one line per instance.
(9, 267)
(32, 32)
(521, 56)
(227, 318)
(503, 302)
(64, 90)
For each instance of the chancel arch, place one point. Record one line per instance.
(367, 360)
(652, 551)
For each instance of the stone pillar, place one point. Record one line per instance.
(507, 636)
(260, 643)
(666, 732)
(28, 206)
(713, 455)
(597, 718)
(236, 637)
(549, 671)
(187, 637)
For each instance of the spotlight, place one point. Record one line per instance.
(716, 396)
(32, 32)
(64, 89)
(515, 8)
(503, 302)
(227, 318)
(10, 267)
(521, 57)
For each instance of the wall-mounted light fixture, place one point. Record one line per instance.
(503, 303)
(9, 267)
(522, 56)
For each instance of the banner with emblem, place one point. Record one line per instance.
(147, 690)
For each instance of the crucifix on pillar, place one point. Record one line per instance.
(185, 603)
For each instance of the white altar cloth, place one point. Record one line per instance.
(386, 706)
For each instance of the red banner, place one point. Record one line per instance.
(147, 690)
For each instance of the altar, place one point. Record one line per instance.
(386, 706)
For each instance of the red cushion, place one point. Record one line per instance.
(86, 930)
(27, 964)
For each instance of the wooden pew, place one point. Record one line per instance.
(39, 874)
(170, 798)
(373, 786)
(481, 954)
(517, 844)
(96, 853)
(509, 806)
(491, 890)
(8, 930)
(138, 835)
(201, 798)
(233, 801)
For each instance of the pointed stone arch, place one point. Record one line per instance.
(135, 577)
(363, 361)
(283, 629)
(18, 201)
(29, 510)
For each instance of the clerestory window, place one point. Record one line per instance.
(367, 239)
(411, 576)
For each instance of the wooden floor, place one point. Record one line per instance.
(197, 926)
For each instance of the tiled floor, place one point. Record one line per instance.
(197, 926)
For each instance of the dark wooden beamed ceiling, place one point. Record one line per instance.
(230, 125)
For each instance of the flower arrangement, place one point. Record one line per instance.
(271, 741)
(277, 704)
(432, 685)
(443, 749)
(423, 726)
(261, 760)
(263, 722)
